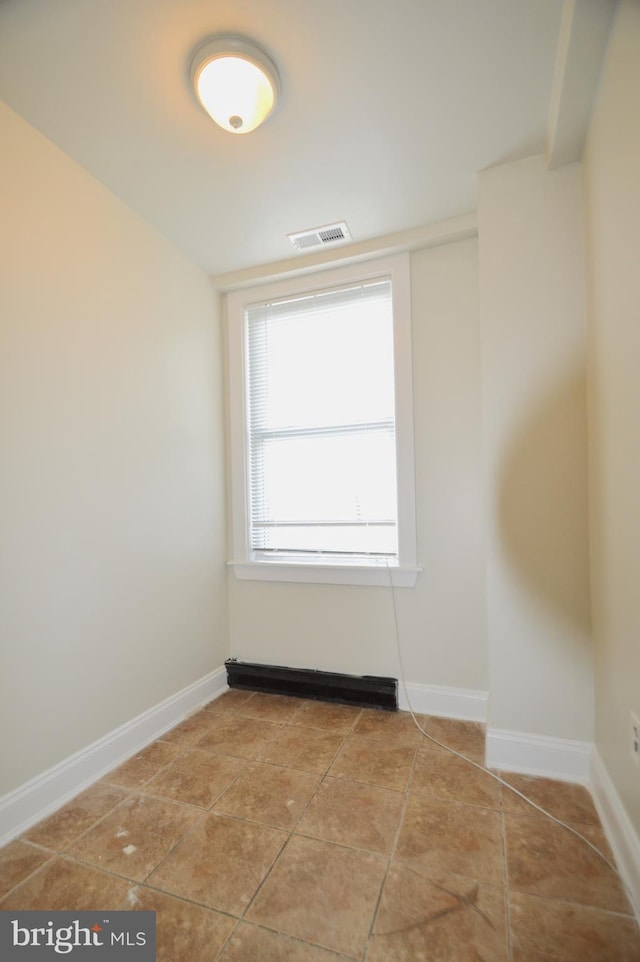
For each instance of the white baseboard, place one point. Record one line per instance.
(461, 703)
(527, 754)
(618, 828)
(42, 795)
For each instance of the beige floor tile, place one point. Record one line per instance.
(220, 863)
(229, 700)
(547, 929)
(441, 918)
(274, 708)
(238, 736)
(69, 822)
(17, 861)
(326, 715)
(184, 932)
(570, 803)
(64, 885)
(250, 943)
(442, 775)
(397, 727)
(596, 836)
(196, 777)
(322, 893)
(367, 758)
(451, 838)
(191, 729)
(135, 837)
(530, 955)
(262, 758)
(269, 794)
(463, 736)
(354, 814)
(308, 749)
(544, 859)
(143, 766)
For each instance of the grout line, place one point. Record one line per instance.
(77, 860)
(267, 875)
(394, 846)
(65, 848)
(294, 939)
(77, 857)
(190, 739)
(344, 732)
(132, 788)
(226, 941)
(262, 717)
(505, 874)
(257, 821)
(277, 858)
(65, 853)
(580, 905)
(351, 848)
(182, 748)
(37, 845)
(277, 726)
(183, 898)
(182, 838)
(31, 874)
(142, 793)
(294, 768)
(228, 788)
(202, 809)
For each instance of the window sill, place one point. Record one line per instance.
(401, 576)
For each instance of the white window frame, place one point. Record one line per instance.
(402, 571)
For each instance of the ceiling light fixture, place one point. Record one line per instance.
(236, 83)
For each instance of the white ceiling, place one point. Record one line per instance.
(387, 111)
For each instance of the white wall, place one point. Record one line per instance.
(612, 197)
(111, 488)
(442, 619)
(535, 449)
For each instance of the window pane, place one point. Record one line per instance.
(321, 422)
(325, 367)
(347, 540)
(342, 478)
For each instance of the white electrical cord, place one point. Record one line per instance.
(482, 768)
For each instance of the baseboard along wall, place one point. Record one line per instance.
(574, 761)
(463, 703)
(526, 754)
(44, 794)
(621, 835)
(521, 752)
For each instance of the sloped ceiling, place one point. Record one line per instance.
(387, 110)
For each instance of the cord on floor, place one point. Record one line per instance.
(483, 768)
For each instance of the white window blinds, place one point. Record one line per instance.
(321, 423)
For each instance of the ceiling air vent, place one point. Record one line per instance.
(321, 236)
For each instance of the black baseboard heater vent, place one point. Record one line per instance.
(367, 691)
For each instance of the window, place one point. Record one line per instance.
(321, 427)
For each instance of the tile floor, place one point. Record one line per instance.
(270, 829)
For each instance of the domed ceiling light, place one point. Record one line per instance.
(236, 83)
